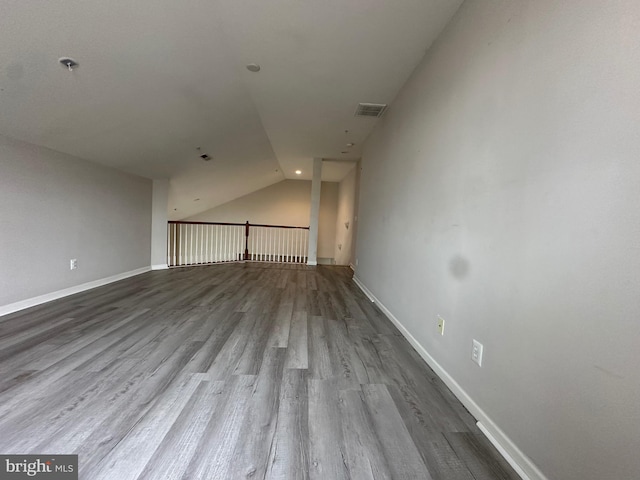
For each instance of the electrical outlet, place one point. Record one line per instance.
(73, 264)
(476, 352)
(440, 325)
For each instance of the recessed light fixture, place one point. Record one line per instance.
(298, 172)
(196, 200)
(344, 152)
(350, 144)
(68, 62)
(253, 67)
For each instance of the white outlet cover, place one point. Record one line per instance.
(441, 322)
(476, 352)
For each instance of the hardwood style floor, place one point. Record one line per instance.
(227, 372)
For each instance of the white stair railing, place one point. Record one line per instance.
(192, 243)
(197, 243)
(278, 244)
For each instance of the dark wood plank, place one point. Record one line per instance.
(404, 460)
(289, 454)
(436, 452)
(480, 457)
(319, 359)
(180, 443)
(327, 455)
(298, 347)
(364, 451)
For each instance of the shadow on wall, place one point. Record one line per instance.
(459, 267)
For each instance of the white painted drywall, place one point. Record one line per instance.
(54, 207)
(345, 224)
(314, 208)
(500, 191)
(284, 203)
(159, 217)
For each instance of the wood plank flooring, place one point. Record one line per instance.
(228, 372)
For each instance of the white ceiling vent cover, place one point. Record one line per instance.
(370, 109)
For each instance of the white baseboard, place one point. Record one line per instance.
(326, 261)
(509, 450)
(32, 302)
(312, 264)
(160, 266)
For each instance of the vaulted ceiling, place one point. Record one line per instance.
(158, 79)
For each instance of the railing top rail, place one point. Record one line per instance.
(276, 226)
(180, 222)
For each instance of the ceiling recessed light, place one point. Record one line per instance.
(253, 67)
(344, 152)
(197, 200)
(350, 144)
(298, 172)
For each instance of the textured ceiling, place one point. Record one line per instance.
(159, 78)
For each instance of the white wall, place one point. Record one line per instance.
(345, 214)
(500, 190)
(54, 207)
(159, 217)
(284, 203)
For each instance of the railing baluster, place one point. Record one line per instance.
(217, 242)
(175, 243)
(197, 252)
(183, 244)
(170, 244)
(206, 243)
(267, 241)
(225, 247)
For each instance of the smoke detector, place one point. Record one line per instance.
(370, 109)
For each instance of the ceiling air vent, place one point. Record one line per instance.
(370, 109)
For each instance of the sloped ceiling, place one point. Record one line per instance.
(158, 78)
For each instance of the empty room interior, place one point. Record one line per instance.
(347, 239)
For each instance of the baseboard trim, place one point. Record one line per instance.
(326, 261)
(509, 450)
(312, 264)
(32, 302)
(160, 266)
